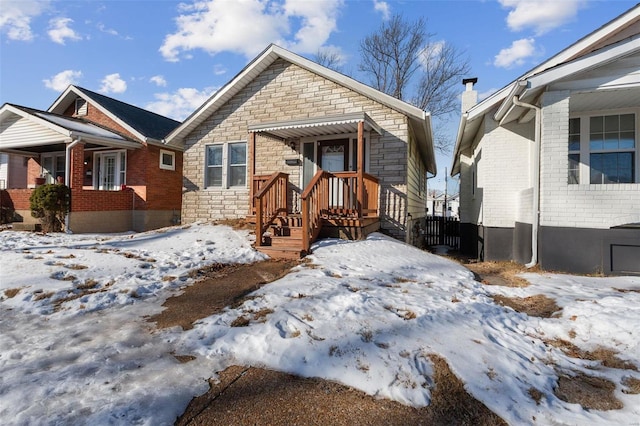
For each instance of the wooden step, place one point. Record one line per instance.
(281, 252)
(292, 242)
(286, 231)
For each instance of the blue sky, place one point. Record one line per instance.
(170, 56)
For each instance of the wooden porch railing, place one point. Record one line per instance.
(270, 201)
(258, 182)
(315, 203)
(335, 194)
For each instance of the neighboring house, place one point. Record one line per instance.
(550, 164)
(441, 204)
(305, 151)
(122, 177)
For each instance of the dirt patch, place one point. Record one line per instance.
(218, 286)
(632, 385)
(248, 395)
(11, 292)
(500, 273)
(592, 393)
(606, 356)
(534, 306)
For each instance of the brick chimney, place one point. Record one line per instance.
(469, 96)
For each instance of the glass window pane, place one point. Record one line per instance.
(595, 162)
(574, 142)
(238, 153)
(167, 159)
(595, 125)
(214, 155)
(627, 140)
(612, 123)
(574, 126)
(214, 176)
(596, 141)
(574, 168)
(238, 176)
(625, 167)
(611, 140)
(627, 122)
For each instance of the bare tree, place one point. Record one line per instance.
(403, 60)
(443, 67)
(390, 55)
(329, 58)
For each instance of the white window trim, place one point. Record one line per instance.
(171, 166)
(585, 151)
(226, 166)
(120, 176)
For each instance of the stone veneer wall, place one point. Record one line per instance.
(287, 92)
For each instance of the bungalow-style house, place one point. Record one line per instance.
(550, 164)
(305, 151)
(122, 177)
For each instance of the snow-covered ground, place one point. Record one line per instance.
(75, 346)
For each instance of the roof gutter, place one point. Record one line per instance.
(536, 180)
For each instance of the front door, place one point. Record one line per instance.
(333, 156)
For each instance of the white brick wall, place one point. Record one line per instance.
(584, 205)
(502, 162)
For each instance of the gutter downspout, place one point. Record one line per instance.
(67, 175)
(536, 181)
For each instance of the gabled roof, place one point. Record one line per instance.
(419, 120)
(68, 129)
(145, 125)
(614, 41)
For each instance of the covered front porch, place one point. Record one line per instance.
(91, 160)
(334, 196)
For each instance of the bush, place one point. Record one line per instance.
(50, 203)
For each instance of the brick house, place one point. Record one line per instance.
(109, 153)
(305, 151)
(550, 164)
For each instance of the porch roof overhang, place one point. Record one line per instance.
(295, 129)
(44, 131)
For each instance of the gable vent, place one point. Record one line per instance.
(81, 107)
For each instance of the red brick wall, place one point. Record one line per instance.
(34, 169)
(156, 189)
(97, 116)
(164, 191)
(17, 199)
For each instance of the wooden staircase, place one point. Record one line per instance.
(283, 238)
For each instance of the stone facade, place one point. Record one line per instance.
(283, 92)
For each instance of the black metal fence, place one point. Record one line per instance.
(442, 230)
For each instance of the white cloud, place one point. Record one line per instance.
(219, 69)
(59, 30)
(541, 15)
(158, 80)
(383, 8)
(431, 53)
(15, 17)
(112, 83)
(248, 26)
(516, 54)
(60, 81)
(179, 104)
(106, 30)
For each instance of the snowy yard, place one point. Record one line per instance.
(75, 346)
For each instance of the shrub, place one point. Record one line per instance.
(50, 203)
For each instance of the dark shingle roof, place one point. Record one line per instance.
(148, 123)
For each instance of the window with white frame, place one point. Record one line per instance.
(604, 148)
(167, 160)
(53, 165)
(226, 165)
(110, 170)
